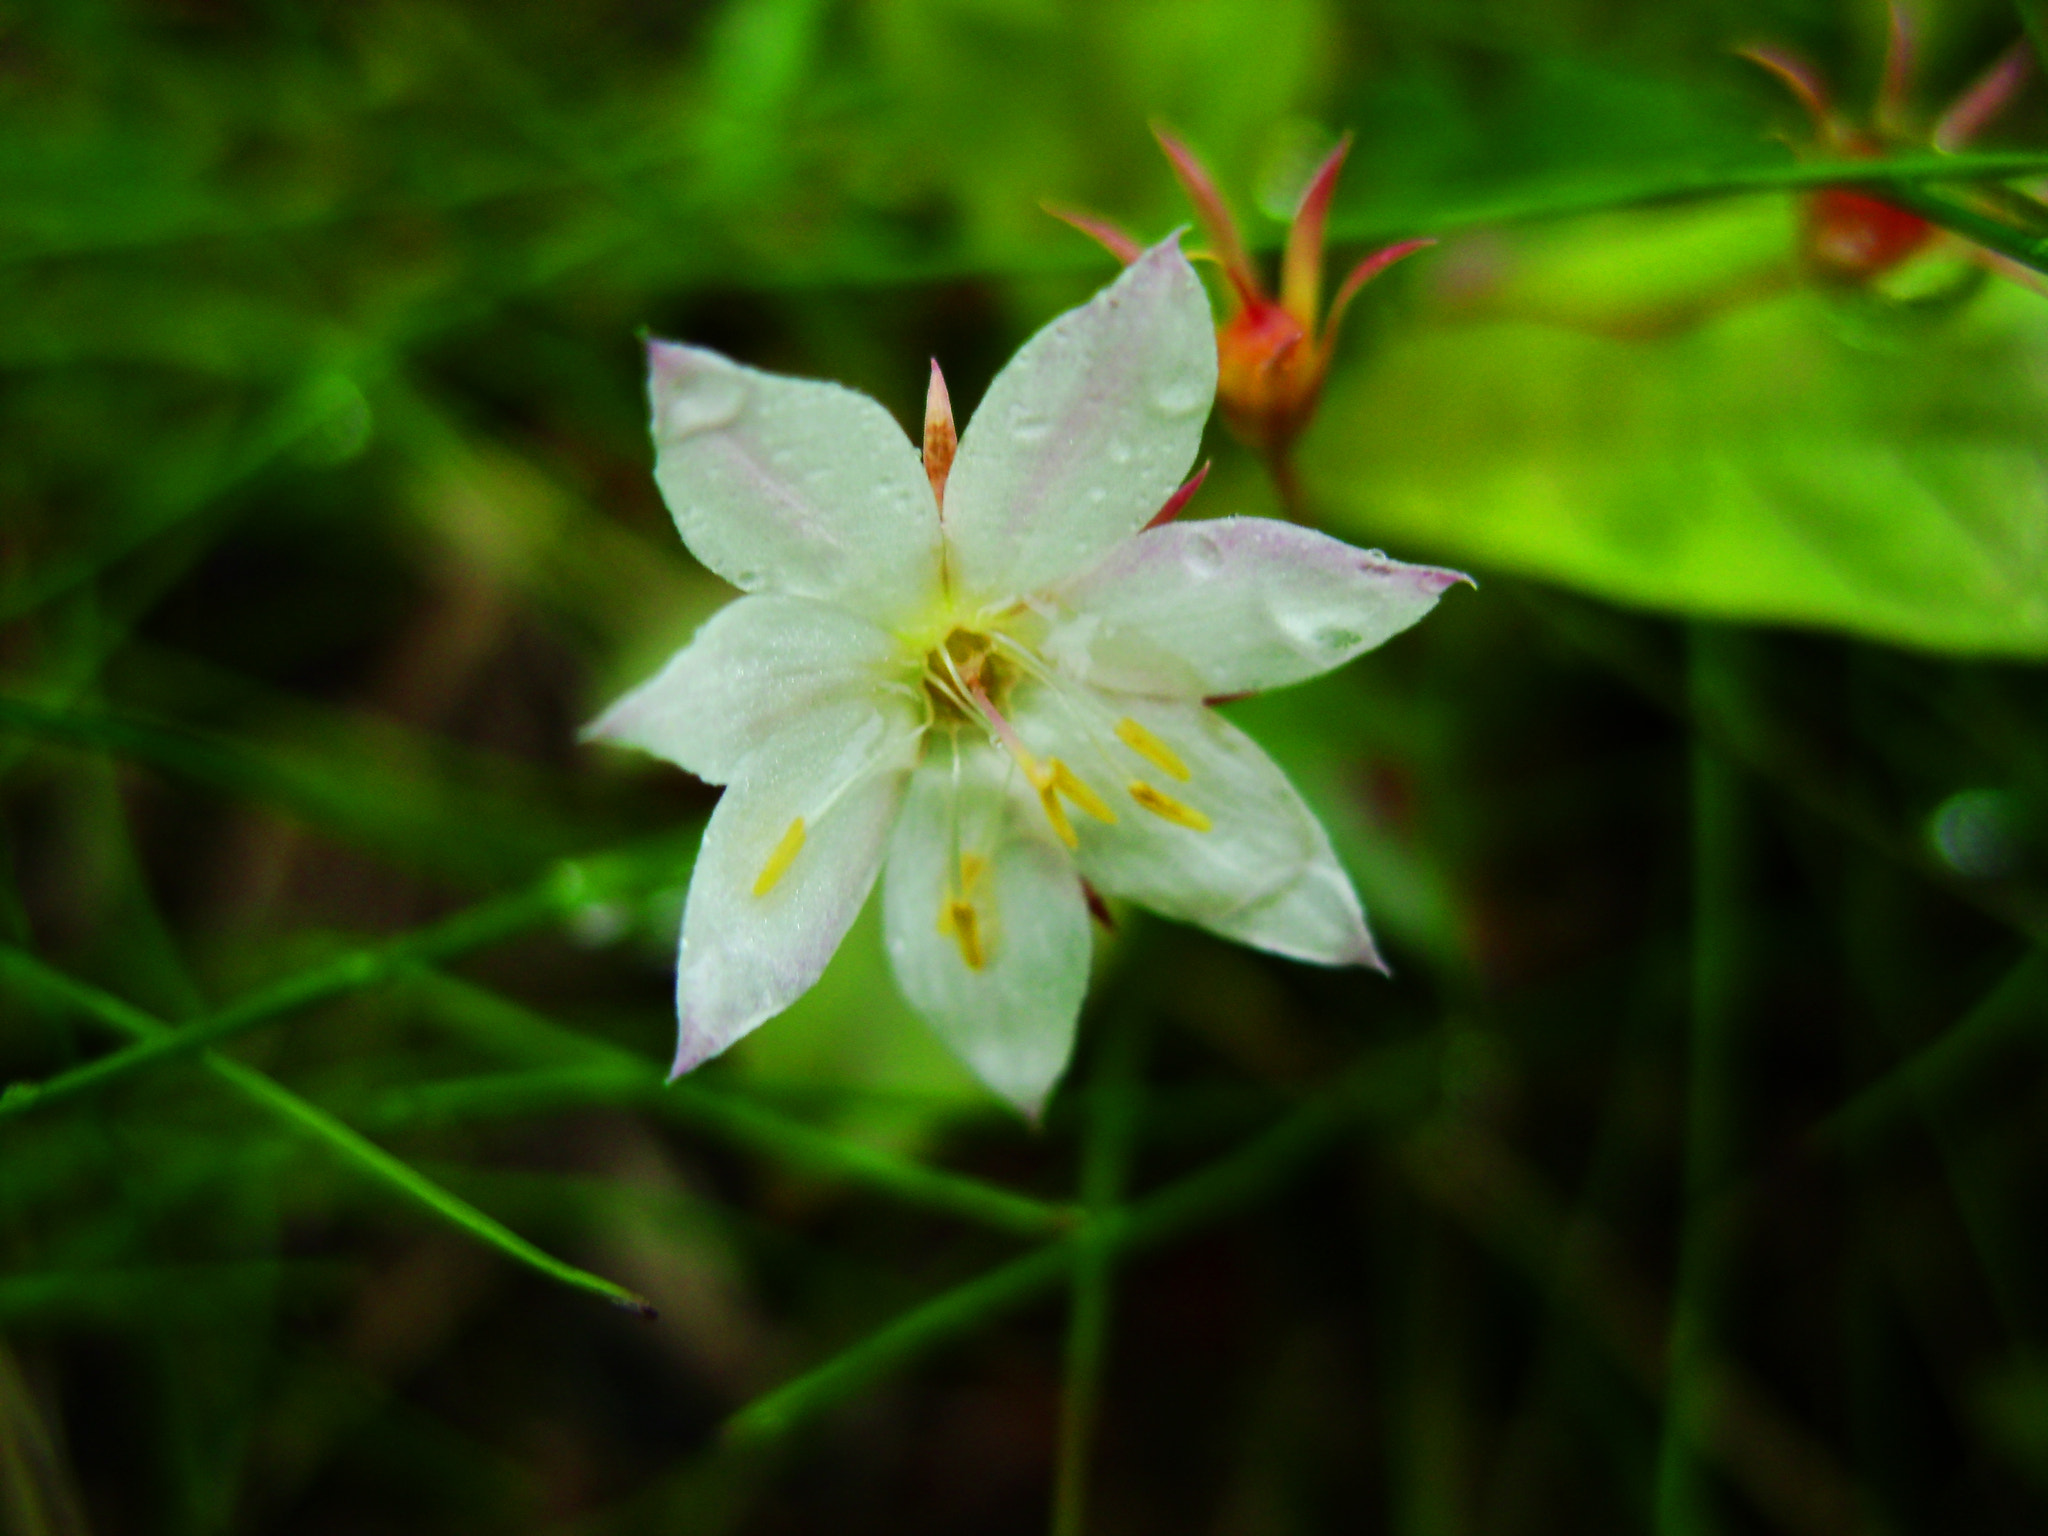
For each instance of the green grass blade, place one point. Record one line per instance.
(353, 1148)
(1897, 178)
(1115, 1108)
(596, 1072)
(567, 887)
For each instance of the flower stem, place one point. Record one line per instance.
(1287, 485)
(1720, 836)
(1115, 1106)
(1396, 1083)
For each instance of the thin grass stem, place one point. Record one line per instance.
(1396, 1083)
(354, 1149)
(582, 1070)
(1115, 1108)
(568, 887)
(1720, 835)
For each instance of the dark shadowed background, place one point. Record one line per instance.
(1687, 1175)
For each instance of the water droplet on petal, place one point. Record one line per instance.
(1202, 555)
(703, 402)
(1028, 426)
(1181, 396)
(1119, 451)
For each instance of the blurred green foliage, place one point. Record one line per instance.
(1686, 1175)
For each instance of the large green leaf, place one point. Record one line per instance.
(1652, 408)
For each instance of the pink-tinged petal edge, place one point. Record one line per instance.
(1897, 80)
(1301, 269)
(1368, 269)
(1101, 231)
(1180, 498)
(1801, 79)
(1213, 213)
(1985, 98)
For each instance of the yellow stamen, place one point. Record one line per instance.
(1066, 783)
(1151, 748)
(959, 922)
(1056, 813)
(1170, 809)
(972, 865)
(958, 919)
(779, 861)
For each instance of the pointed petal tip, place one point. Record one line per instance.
(1431, 579)
(1368, 269)
(1365, 953)
(1180, 498)
(1327, 168)
(1105, 234)
(608, 727)
(1439, 579)
(1301, 265)
(941, 439)
(695, 1044)
(1212, 213)
(665, 357)
(1798, 77)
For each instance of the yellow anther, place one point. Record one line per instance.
(1064, 781)
(1151, 748)
(1166, 806)
(779, 861)
(971, 867)
(1056, 813)
(959, 922)
(959, 919)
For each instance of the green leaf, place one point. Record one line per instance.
(1652, 408)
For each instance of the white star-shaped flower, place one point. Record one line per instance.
(987, 671)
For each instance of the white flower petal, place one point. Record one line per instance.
(1193, 610)
(1011, 1019)
(792, 485)
(763, 917)
(1228, 844)
(1086, 432)
(757, 666)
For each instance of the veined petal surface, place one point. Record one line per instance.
(756, 668)
(1257, 868)
(1193, 610)
(768, 906)
(1085, 433)
(792, 485)
(975, 837)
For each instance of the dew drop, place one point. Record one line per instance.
(1976, 833)
(1202, 556)
(1181, 396)
(1028, 426)
(1319, 636)
(1119, 451)
(703, 402)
